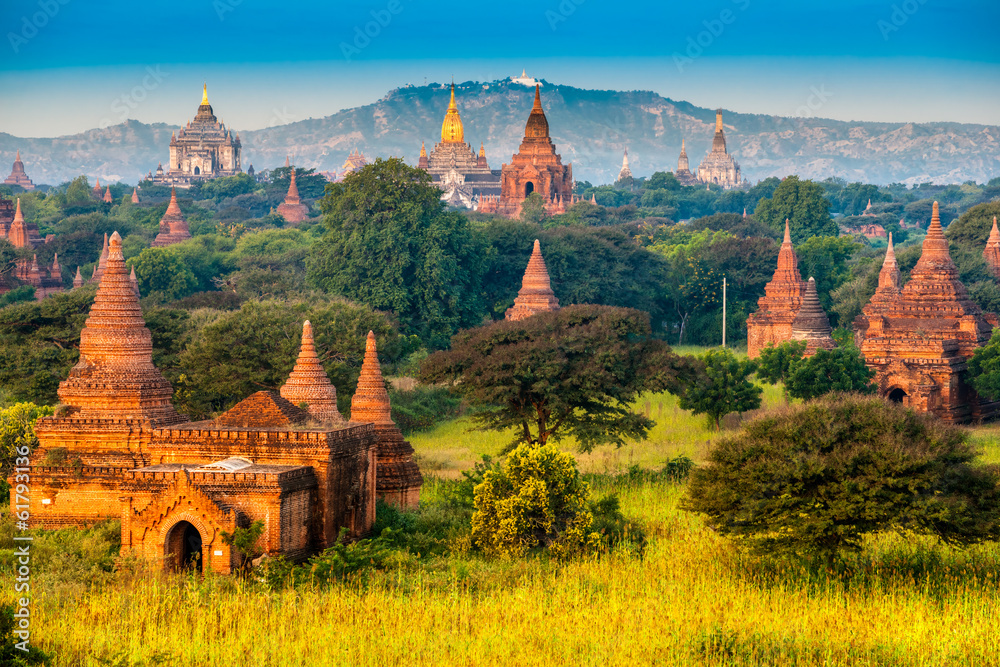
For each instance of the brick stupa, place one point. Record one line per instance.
(18, 176)
(776, 310)
(108, 199)
(308, 383)
(102, 262)
(173, 226)
(811, 324)
(135, 195)
(399, 479)
(21, 234)
(292, 209)
(992, 251)
(115, 377)
(535, 295)
(919, 342)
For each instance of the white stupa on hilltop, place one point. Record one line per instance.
(525, 79)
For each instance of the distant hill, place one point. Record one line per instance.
(590, 128)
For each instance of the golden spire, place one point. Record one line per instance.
(423, 151)
(451, 128)
(482, 149)
(204, 94)
(718, 120)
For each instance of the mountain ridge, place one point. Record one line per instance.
(590, 128)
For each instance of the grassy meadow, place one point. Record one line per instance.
(690, 599)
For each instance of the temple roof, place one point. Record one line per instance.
(265, 409)
(371, 400)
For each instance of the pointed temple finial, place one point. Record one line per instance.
(718, 120)
(135, 195)
(204, 94)
(992, 252)
(423, 150)
(682, 147)
(538, 98)
(744, 212)
(788, 235)
(371, 400)
(287, 162)
(308, 382)
(56, 270)
(451, 128)
(18, 157)
(482, 149)
(78, 279)
(107, 195)
(535, 295)
(134, 281)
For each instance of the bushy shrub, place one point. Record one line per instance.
(536, 500)
(616, 531)
(421, 408)
(345, 558)
(814, 479)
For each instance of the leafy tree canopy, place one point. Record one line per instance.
(572, 372)
(803, 204)
(814, 479)
(841, 369)
(723, 387)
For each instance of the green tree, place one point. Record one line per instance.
(972, 228)
(537, 499)
(984, 368)
(571, 372)
(533, 209)
(801, 203)
(17, 433)
(390, 245)
(826, 259)
(228, 186)
(162, 271)
(817, 478)
(777, 362)
(724, 387)
(839, 369)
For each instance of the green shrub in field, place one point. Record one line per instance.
(816, 478)
(420, 408)
(9, 653)
(839, 369)
(615, 530)
(345, 558)
(537, 499)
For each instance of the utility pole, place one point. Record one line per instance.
(723, 311)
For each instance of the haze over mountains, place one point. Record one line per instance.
(590, 128)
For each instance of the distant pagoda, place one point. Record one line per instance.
(535, 295)
(719, 167)
(17, 175)
(454, 166)
(203, 149)
(173, 226)
(992, 252)
(683, 173)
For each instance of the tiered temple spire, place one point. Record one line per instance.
(78, 279)
(292, 209)
(102, 262)
(992, 251)
(309, 384)
(18, 233)
(115, 378)
(173, 226)
(535, 295)
(398, 480)
(776, 310)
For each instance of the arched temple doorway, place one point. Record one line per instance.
(197, 170)
(896, 395)
(183, 547)
(529, 187)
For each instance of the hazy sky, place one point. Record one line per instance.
(70, 65)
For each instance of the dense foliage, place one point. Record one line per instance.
(722, 388)
(815, 479)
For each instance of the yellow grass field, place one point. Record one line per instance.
(691, 600)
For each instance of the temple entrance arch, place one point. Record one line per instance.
(197, 170)
(183, 547)
(529, 187)
(896, 395)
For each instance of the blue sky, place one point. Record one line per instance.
(69, 65)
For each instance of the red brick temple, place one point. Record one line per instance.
(771, 324)
(173, 226)
(535, 295)
(292, 209)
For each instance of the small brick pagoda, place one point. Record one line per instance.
(22, 234)
(536, 167)
(116, 448)
(992, 251)
(18, 176)
(918, 339)
(683, 173)
(771, 324)
(535, 295)
(292, 209)
(173, 226)
(811, 323)
(45, 282)
(399, 479)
